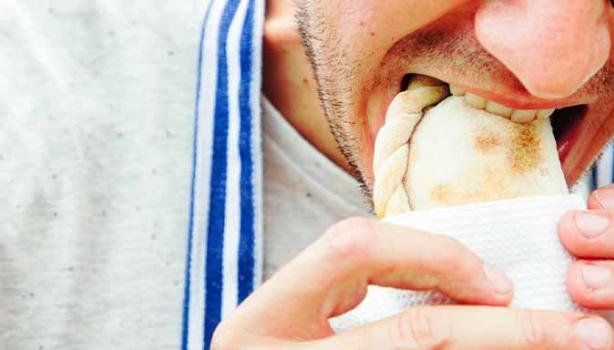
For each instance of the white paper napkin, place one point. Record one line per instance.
(518, 236)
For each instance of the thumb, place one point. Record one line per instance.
(466, 327)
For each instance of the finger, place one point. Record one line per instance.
(462, 328)
(361, 251)
(591, 284)
(331, 276)
(588, 234)
(602, 198)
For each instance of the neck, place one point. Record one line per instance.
(288, 80)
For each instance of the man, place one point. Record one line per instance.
(105, 174)
(525, 54)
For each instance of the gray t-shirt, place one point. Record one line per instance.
(304, 192)
(96, 122)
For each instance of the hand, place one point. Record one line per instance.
(292, 309)
(589, 235)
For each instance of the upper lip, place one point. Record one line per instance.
(519, 101)
(515, 97)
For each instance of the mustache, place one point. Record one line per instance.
(460, 51)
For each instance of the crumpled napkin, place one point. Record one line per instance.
(518, 236)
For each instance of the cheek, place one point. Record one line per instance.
(357, 37)
(373, 26)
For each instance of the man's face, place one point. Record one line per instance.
(526, 54)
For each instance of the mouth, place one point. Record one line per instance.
(566, 117)
(443, 144)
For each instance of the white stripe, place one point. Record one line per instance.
(583, 186)
(233, 185)
(256, 140)
(203, 168)
(604, 167)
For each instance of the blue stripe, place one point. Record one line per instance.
(217, 197)
(612, 154)
(246, 242)
(594, 183)
(185, 320)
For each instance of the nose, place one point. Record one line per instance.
(552, 46)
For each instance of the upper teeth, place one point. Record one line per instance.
(517, 115)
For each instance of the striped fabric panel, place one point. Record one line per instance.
(250, 244)
(599, 175)
(223, 259)
(603, 171)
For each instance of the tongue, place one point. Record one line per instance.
(460, 155)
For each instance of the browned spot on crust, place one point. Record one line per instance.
(525, 149)
(491, 185)
(486, 142)
(441, 194)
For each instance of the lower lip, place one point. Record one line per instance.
(564, 144)
(567, 137)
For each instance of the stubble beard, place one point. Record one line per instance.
(333, 90)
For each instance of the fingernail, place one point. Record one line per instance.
(591, 225)
(594, 333)
(596, 276)
(499, 282)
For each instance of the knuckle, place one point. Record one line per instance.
(535, 331)
(452, 256)
(348, 240)
(567, 228)
(599, 197)
(419, 328)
